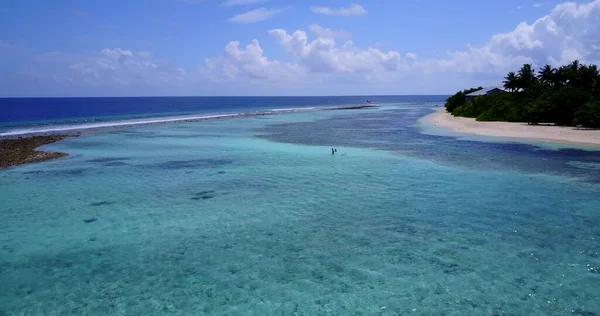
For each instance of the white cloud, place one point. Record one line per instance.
(116, 53)
(111, 67)
(247, 64)
(569, 31)
(320, 31)
(537, 4)
(257, 15)
(325, 64)
(353, 10)
(230, 3)
(320, 60)
(322, 55)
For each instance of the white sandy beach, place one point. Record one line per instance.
(522, 131)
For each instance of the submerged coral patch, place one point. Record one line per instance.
(196, 163)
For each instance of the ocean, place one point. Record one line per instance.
(38, 113)
(253, 215)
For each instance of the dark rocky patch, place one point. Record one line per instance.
(177, 136)
(82, 144)
(204, 195)
(114, 164)
(108, 159)
(100, 203)
(36, 172)
(138, 133)
(358, 107)
(72, 172)
(19, 151)
(206, 192)
(446, 266)
(58, 172)
(89, 220)
(197, 163)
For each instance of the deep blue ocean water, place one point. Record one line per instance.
(47, 110)
(255, 216)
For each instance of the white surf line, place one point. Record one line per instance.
(88, 126)
(112, 124)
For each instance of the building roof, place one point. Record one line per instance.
(485, 90)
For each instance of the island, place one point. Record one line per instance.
(567, 96)
(555, 104)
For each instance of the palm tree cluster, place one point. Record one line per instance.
(568, 95)
(575, 74)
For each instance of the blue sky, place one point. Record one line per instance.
(279, 47)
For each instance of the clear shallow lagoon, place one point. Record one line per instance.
(254, 216)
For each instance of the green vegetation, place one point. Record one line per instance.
(458, 99)
(569, 95)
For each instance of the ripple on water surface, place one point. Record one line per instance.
(237, 225)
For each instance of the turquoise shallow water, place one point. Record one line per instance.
(255, 217)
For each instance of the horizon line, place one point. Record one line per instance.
(222, 96)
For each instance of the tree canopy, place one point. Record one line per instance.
(568, 95)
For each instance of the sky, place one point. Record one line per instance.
(283, 47)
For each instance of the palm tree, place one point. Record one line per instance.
(574, 65)
(526, 78)
(589, 75)
(510, 81)
(595, 72)
(573, 75)
(547, 75)
(561, 76)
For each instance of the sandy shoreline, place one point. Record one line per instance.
(516, 131)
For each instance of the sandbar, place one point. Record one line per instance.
(516, 131)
